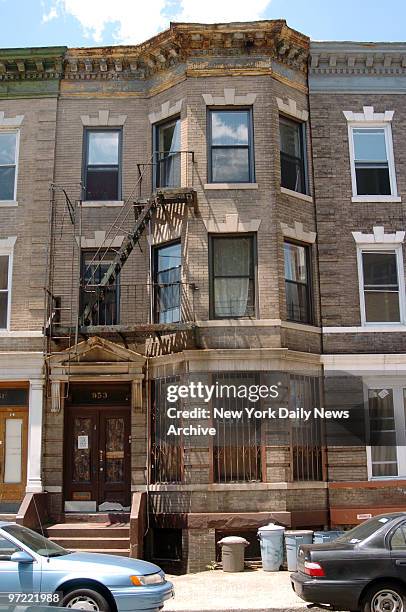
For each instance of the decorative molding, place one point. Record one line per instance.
(104, 119)
(298, 233)
(7, 244)
(166, 111)
(100, 240)
(290, 108)
(344, 58)
(230, 99)
(10, 122)
(232, 223)
(379, 237)
(42, 63)
(368, 114)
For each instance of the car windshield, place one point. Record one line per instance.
(37, 543)
(363, 531)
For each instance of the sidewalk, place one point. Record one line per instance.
(248, 591)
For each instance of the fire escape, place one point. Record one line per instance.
(104, 296)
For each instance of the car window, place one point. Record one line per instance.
(7, 548)
(398, 539)
(363, 531)
(36, 542)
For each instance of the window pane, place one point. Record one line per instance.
(297, 303)
(3, 310)
(3, 271)
(292, 174)
(103, 148)
(230, 165)
(229, 127)
(295, 262)
(102, 184)
(382, 432)
(7, 180)
(380, 269)
(13, 451)
(169, 137)
(8, 148)
(168, 277)
(169, 257)
(382, 307)
(372, 181)
(232, 256)
(290, 138)
(369, 145)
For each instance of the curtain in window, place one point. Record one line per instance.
(232, 271)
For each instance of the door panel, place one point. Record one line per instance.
(13, 454)
(81, 456)
(114, 469)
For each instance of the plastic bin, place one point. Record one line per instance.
(322, 537)
(232, 553)
(293, 539)
(271, 540)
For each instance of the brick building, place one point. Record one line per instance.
(185, 205)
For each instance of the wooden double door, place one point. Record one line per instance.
(98, 455)
(13, 453)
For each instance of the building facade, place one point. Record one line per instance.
(202, 212)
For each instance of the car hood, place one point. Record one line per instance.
(89, 563)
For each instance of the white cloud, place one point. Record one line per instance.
(134, 22)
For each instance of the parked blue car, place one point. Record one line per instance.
(30, 563)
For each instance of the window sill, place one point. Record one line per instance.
(213, 186)
(377, 198)
(101, 203)
(376, 328)
(8, 203)
(301, 326)
(297, 194)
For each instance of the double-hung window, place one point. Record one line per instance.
(372, 163)
(381, 286)
(8, 165)
(5, 279)
(293, 155)
(230, 135)
(102, 174)
(167, 267)
(167, 154)
(233, 276)
(298, 282)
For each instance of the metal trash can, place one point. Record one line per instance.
(232, 553)
(271, 540)
(322, 537)
(293, 539)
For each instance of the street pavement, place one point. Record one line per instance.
(250, 591)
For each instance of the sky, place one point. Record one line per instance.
(77, 23)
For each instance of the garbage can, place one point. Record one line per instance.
(293, 539)
(322, 537)
(271, 540)
(232, 553)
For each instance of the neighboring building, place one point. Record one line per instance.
(28, 102)
(358, 121)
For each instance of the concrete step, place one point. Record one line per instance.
(84, 530)
(97, 517)
(72, 542)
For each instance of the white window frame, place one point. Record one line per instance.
(7, 250)
(16, 131)
(364, 125)
(397, 249)
(397, 388)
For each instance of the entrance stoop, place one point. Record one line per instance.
(95, 533)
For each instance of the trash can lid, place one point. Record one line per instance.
(298, 532)
(233, 540)
(272, 527)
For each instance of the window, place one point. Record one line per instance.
(298, 283)
(8, 165)
(382, 428)
(398, 539)
(7, 549)
(230, 146)
(4, 290)
(167, 154)
(380, 291)
(293, 155)
(167, 544)
(102, 165)
(372, 161)
(167, 267)
(232, 283)
(94, 266)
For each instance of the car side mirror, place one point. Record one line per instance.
(21, 557)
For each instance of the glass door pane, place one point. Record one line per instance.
(13, 451)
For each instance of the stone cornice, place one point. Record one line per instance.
(183, 41)
(41, 63)
(351, 58)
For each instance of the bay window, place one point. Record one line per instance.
(381, 285)
(297, 282)
(230, 141)
(293, 155)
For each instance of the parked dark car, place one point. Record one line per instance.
(364, 569)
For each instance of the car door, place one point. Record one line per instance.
(397, 542)
(17, 577)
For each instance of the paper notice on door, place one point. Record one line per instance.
(83, 442)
